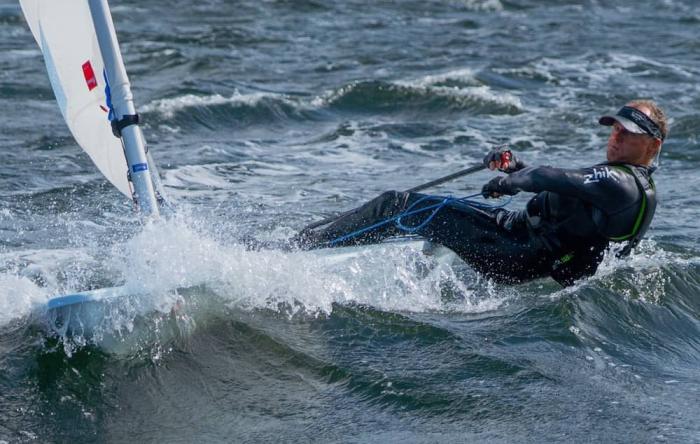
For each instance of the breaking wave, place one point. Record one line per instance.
(454, 92)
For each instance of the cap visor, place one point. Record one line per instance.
(625, 122)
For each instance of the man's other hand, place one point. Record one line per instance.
(497, 187)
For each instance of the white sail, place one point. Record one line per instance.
(65, 33)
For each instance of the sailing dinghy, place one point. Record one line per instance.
(87, 74)
(85, 67)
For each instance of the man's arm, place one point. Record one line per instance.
(604, 186)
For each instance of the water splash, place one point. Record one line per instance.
(172, 255)
(174, 274)
(178, 272)
(642, 274)
(19, 297)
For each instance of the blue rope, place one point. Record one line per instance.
(446, 200)
(408, 212)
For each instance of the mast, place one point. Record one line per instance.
(125, 123)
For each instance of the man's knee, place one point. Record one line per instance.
(390, 202)
(387, 198)
(389, 195)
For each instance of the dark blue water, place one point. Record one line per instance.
(267, 115)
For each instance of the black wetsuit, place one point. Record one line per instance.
(563, 231)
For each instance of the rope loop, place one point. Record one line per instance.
(410, 211)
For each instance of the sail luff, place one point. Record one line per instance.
(123, 107)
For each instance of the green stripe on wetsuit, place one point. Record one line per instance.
(642, 209)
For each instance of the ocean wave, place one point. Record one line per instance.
(597, 69)
(236, 111)
(455, 91)
(644, 305)
(418, 96)
(168, 107)
(639, 276)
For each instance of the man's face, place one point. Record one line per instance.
(627, 147)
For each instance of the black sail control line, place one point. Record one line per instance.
(119, 125)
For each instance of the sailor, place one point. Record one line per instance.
(563, 231)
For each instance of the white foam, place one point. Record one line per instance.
(331, 96)
(168, 256)
(538, 70)
(19, 296)
(431, 84)
(465, 75)
(645, 264)
(593, 69)
(483, 5)
(196, 177)
(472, 88)
(483, 94)
(625, 61)
(168, 107)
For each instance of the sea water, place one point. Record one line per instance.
(264, 116)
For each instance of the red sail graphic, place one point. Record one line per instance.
(89, 75)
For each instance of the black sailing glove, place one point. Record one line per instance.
(497, 187)
(503, 159)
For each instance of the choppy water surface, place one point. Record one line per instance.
(267, 115)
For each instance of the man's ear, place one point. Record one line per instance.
(654, 148)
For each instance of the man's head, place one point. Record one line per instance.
(638, 131)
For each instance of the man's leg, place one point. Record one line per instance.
(495, 242)
(380, 209)
(492, 241)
